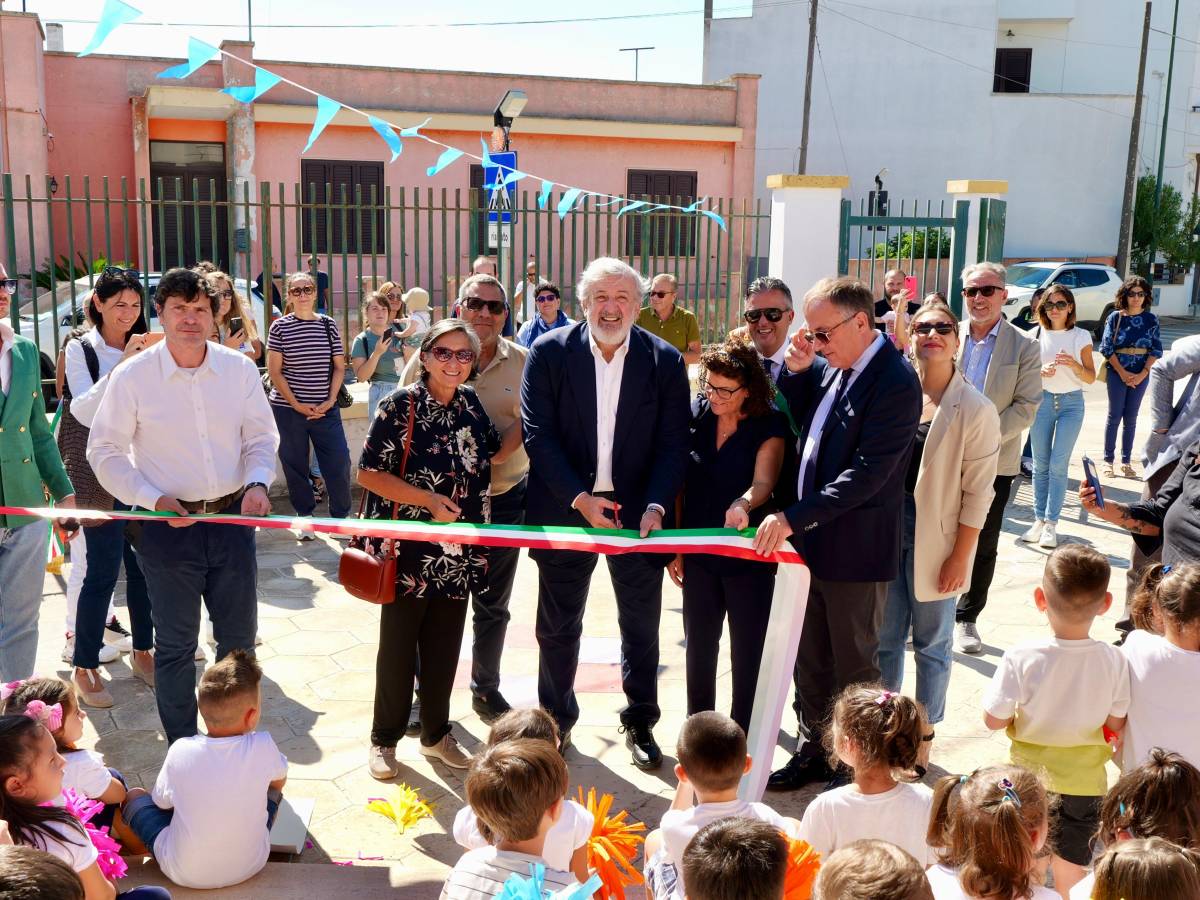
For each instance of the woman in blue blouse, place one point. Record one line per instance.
(1131, 345)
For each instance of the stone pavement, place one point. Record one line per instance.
(318, 657)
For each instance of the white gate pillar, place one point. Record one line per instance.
(805, 224)
(974, 190)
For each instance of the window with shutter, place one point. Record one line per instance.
(188, 221)
(342, 206)
(479, 244)
(667, 233)
(1013, 65)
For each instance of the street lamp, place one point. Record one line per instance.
(509, 107)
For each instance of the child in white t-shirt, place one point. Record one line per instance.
(1164, 665)
(712, 760)
(988, 829)
(876, 733)
(208, 820)
(1056, 695)
(871, 870)
(567, 840)
(516, 789)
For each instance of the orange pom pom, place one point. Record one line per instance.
(612, 846)
(803, 863)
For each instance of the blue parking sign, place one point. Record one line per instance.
(501, 201)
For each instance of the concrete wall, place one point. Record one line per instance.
(915, 96)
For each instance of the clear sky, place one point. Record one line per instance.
(423, 35)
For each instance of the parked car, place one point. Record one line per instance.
(1094, 286)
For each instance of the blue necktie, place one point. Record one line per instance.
(810, 470)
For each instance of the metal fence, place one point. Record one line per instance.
(413, 236)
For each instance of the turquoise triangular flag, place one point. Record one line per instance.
(326, 110)
(414, 130)
(547, 187)
(716, 218)
(512, 176)
(487, 157)
(263, 82)
(448, 156)
(198, 54)
(568, 201)
(113, 16)
(389, 136)
(636, 204)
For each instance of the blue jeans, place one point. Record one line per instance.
(377, 391)
(932, 630)
(1053, 435)
(22, 570)
(106, 546)
(183, 567)
(1123, 405)
(328, 439)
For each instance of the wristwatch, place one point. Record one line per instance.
(255, 484)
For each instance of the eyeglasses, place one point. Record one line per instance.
(927, 328)
(546, 298)
(395, 296)
(823, 336)
(660, 294)
(9, 285)
(306, 291)
(722, 393)
(475, 304)
(445, 354)
(1136, 293)
(226, 294)
(117, 272)
(986, 289)
(773, 314)
(1059, 305)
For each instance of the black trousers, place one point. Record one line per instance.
(1137, 559)
(564, 577)
(709, 596)
(971, 604)
(432, 625)
(489, 607)
(839, 646)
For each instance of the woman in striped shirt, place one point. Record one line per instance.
(307, 364)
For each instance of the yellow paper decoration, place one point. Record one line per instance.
(407, 809)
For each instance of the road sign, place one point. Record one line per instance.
(500, 202)
(499, 236)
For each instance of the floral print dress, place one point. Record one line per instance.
(451, 454)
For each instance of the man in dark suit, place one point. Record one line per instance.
(857, 410)
(604, 406)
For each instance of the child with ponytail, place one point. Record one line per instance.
(876, 733)
(1164, 664)
(989, 829)
(1149, 869)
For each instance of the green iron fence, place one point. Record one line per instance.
(413, 236)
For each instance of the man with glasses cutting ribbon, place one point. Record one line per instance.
(857, 407)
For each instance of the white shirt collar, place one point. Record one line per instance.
(777, 356)
(597, 352)
(170, 367)
(7, 335)
(864, 358)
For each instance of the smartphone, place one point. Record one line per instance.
(1089, 472)
(910, 285)
(388, 334)
(235, 325)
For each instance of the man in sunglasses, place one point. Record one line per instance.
(857, 406)
(483, 306)
(1005, 366)
(30, 460)
(669, 321)
(769, 316)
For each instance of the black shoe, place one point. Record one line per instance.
(414, 720)
(840, 778)
(798, 772)
(564, 742)
(640, 741)
(114, 627)
(490, 706)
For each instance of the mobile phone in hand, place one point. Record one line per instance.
(1089, 472)
(235, 325)
(388, 334)
(910, 285)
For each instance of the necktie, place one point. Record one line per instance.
(810, 469)
(769, 366)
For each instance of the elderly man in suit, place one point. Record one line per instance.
(605, 412)
(1006, 367)
(857, 409)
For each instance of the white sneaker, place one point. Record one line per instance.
(1034, 534)
(381, 763)
(1049, 536)
(108, 652)
(199, 654)
(449, 751)
(966, 638)
(118, 636)
(301, 535)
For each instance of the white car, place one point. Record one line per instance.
(1094, 287)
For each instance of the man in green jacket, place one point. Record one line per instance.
(28, 460)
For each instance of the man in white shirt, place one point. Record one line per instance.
(604, 406)
(184, 427)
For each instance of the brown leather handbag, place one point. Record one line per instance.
(366, 573)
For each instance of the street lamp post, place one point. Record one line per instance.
(509, 107)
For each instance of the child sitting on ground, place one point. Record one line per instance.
(1164, 664)
(989, 829)
(31, 774)
(1160, 798)
(204, 822)
(29, 874)
(736, 859)
(876, 733)
(1148, 869)
(86, 774)
(516, 789)
(871, 870)
(712, 760)
(567, 840)
(1057, 694)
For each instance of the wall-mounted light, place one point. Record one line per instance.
(1009, 33)
(53, 185)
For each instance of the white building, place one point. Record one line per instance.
(913, 88)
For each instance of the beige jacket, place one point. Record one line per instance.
(954, 485)
(1014, 385)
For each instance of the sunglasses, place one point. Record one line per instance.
(117, 272)
(1136, 293)
(987, 290)
(445, 354)
(395, 296)
(1059, 305)
(226, 294)
(307, 291)
(8, 285)
(660, 294)
(475, 304)
(546, 298)
(723, 393)
(773, 314)
(823, 337)
(927, 328)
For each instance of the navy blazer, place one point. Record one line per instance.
(558, 415)
(848, 527)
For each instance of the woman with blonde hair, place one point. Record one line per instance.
(241, 334)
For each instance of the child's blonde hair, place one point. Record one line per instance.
(984, 825)
(533, 724)
(48, 691)
(884, 727)
(510, 786)
(871, 870)
(1147, 869)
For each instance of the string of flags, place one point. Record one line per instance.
(117, 13)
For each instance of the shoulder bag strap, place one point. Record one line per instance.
(92, 360)
(325, 320)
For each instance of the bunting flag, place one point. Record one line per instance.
(544, 195)
(113, 16)
(385, 131)
(198, 54)
(512, 176)
(715, 217)
(449, 155)
(636, 204)
(263, 82)
(567, 203)
(415, 130)
(326, 110)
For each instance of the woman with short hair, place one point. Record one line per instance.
(1131, 345)
(548, 301)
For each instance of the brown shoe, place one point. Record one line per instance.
(140, 671)
(448, 751)
(91, 688)
(1129, 471)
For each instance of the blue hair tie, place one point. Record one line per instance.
(1166, 570)
(962, 779)
(1121, 807)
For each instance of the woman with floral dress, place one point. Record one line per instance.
(1131, 344)
(428, 457)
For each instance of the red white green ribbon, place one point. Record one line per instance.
(717, 541)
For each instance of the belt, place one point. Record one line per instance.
(1132, 351)
(212, 506)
